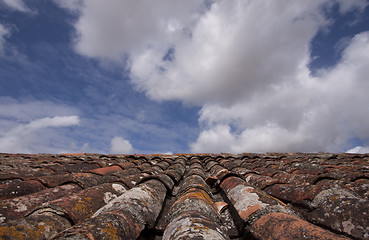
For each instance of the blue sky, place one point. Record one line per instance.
(184, 76)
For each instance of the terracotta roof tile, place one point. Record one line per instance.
(194, 215)
(184, 196)
(19, 207)
(85, 203)
(124, 217)
(16, 189)
(126, 165)
(107, 170)
(286, 226)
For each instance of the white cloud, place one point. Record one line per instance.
(26, 138)
(120, 145)
(4, 32)
(236, 49)
(112, 28)
(266, 138)
(314, 114)
(29, 126)
(29, 110)
(44, 123)
(18, 5)
(245, 62)
(359, 149)
(217, 139)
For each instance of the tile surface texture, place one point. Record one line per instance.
(184, 196)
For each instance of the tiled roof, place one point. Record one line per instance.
(224, 196)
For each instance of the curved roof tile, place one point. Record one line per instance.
(184, 196)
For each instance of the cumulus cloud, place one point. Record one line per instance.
(120, 145)
(246, 63)
(236, 49)
(18, 5)
(112, 28)
(313, 114)
(23, 137)
(270, 137)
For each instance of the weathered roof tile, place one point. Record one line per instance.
(107, 170)
(184, 196)
(19, 207)
(194, 215)
(16, 189)
(85, 203)
(278, 225)
(124, 217)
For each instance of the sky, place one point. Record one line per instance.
(174, 76)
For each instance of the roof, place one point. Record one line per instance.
(208, 196)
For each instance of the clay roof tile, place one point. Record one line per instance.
(198, 196)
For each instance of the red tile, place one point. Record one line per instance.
(169, 197)
(194, 215)
(193, 226)
(17, 189)
(12, 209)
(246, 199)
(85, 203)
(126, 165)
(125, 217)
(106, 170)
(285, 226)
(44, 226)
(341, 210)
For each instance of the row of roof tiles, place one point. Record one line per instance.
(225, 196)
